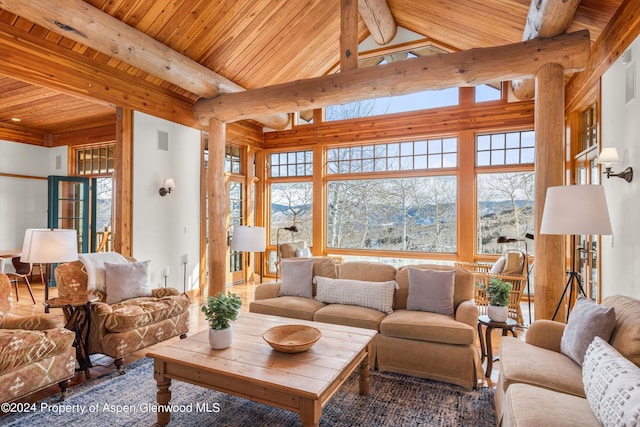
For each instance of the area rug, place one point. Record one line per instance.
(128, 400)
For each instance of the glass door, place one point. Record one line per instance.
(72, 206)
(235, 190)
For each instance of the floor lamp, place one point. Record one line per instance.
(49, 246)
(575, 210)
(249, 239)
(503, 239)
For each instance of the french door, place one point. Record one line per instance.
(72, 206)
(236, 262)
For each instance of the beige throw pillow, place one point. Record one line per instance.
(611, 384)
(587, 320)
(431, 290)
(125, 281)
(297, 274)
(376, 295)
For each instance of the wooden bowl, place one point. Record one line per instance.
(291, 338)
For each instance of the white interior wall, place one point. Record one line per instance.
(621, 129)
(23, 200)
(166, 228)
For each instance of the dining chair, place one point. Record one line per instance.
(22, 272)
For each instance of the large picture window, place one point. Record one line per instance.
(400, 214)
(291, 204)
(505, 208)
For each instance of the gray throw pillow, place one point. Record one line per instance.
(297, 276)
(431, 290)
(587, 320)
(125, 281)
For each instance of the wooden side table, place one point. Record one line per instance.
(77, 312)
(485, 347)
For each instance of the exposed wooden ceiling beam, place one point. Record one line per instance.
(622, 30)
(378, 19)
(465, 68)
(348, 35)
(16, 133)
(546, 18)
(31, 59)
(85, 24)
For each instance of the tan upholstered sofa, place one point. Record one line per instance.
(35, 351)
(540, 386)
(417, 343)
(127, 326)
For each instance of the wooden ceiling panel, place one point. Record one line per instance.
(256, 43)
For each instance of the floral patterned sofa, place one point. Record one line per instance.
(124, 327)
(35, 351)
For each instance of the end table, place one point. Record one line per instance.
(77, 311)
(485, 348)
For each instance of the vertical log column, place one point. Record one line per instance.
(348, 35)
(122, 230)
(218, 211)
(549, 126)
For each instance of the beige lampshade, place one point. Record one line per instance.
(576, 210)
(608, 155)
(47, 246)
(248, 239)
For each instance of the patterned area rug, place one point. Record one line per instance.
(128, 400)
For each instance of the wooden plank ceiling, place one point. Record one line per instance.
(253, 43)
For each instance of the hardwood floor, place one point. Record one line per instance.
(103, 364)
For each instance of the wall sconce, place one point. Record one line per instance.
(607, 157)
(167, 186)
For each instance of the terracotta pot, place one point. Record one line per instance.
(498, 313)
(220, 338)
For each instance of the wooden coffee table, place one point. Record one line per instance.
(250, 368)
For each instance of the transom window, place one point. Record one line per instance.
(98, 160)
(398, 156)
(292, 163)
(232, 159)
(506, 148)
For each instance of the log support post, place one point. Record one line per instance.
(549, 127)
(348, 35)
(217, 211)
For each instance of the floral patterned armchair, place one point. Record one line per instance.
(35, 351)
(124, 327)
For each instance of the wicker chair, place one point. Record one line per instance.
(514, 271)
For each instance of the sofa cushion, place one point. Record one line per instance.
(94, 267)
(376, 295)
(527, 364)
(425, 326)
(294, 307)
(125, 281)
(463, 286)
(350, 315)
(526, 405)
(143, 311)
(297, 274)
(22, 347)
(626, 335)
(587, 320)
(431, 290)
(612, 385)
(366, 271)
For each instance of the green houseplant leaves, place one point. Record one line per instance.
(221, 309)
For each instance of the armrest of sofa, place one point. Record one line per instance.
(467, 312)
(267, 290)
(35, 322)
(164, 292)
(545, 334)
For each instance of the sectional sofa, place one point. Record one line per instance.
(413, 341)
(540, 384)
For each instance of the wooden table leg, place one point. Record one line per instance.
(164, 394)
(482, 349)
(489, 352)
(364, 376)
(310, 412)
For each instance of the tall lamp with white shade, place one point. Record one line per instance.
(575, 210)
(249, 239)
(49, 246)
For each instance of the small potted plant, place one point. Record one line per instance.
(498, 293)
(219, 312)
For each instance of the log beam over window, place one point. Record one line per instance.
(546, 18)
(465, 68)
